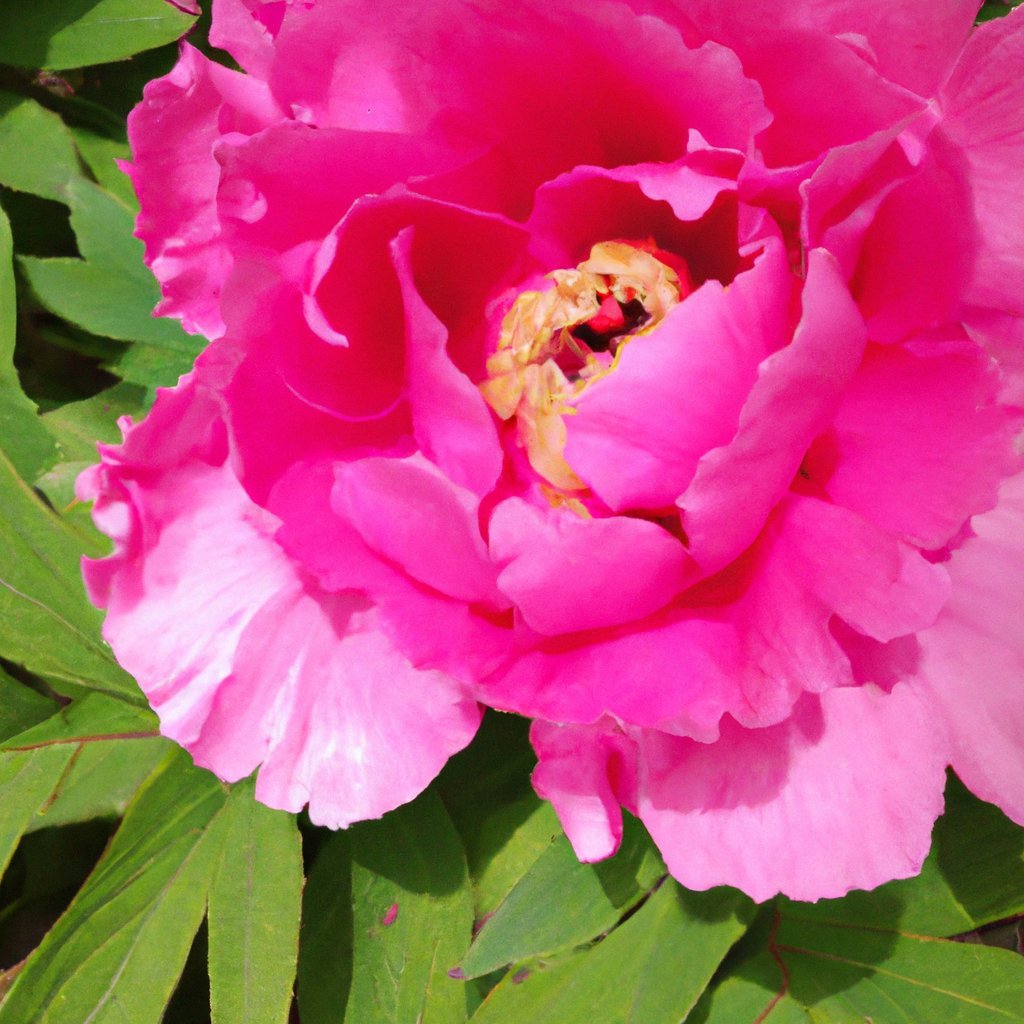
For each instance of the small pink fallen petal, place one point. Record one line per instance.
(972, 660)
(588, 772)
(841, 796)
(566, 574)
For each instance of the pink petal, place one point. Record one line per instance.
(984, 117)
(972, 660)
(409, 513)
(918, 444)
(246, 29)
(841, 796)
(173, 132)
(637, 435)
(798, 388)
(566, 574)
(588, 773)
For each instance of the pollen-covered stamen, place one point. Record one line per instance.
(556, 343)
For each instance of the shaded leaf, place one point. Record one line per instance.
(325, 950)
(101, 153)
(110, 292)
(254, 908)
(73, 33)
(560, 903)
(847, 973)
(412, 917)
(22, 436)
(26, 782)
(650, 970)
(21, 707)
(117, 951)
(37, 153)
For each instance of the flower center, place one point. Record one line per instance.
(556, 343)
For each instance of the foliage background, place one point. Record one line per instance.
(136, 887)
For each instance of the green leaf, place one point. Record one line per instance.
(754, 992)
(847, 973)
(22, 436)
(560, 903)
(116, 953)
(254, 913)
(996, 9)
(20, 707)
(26, 782)
(41, 596)
(973, 876)
(412, 917)
(325, 949)
(650, 970)
(37, 153)
(110, 292)
(101, 153)
(96, 716)
(61, 34)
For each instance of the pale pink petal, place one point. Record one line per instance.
(246, 29)
(840, 796)
(792, 402)
(587, 772)
(247, 661)
(636, 436)
(918, 444)
(565, 573)
(972, 660)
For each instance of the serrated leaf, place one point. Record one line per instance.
(62, 34)
(847, 973)
(21, 707)
(560, 903)
(116, 953)
(37, 153)
(412, 917)
(974, 875)
(22, 436)
(325, 949)
(254, 909)
(41, 595)
(26, 782)
(650, 970)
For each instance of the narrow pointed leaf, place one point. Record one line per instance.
(412, 917)
(116, 953)
(650, 970)
(254, 913)
(560, 903)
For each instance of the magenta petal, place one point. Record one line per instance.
(984, 117)
(972, 660)
(408, 512)
(636, 436)
(587, 772)
(565, 573)
(798, 388)
(918, 444)
(173, 133)
(841, 796)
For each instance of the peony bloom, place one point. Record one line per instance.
(653, 370)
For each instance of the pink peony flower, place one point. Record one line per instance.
(652, 370)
